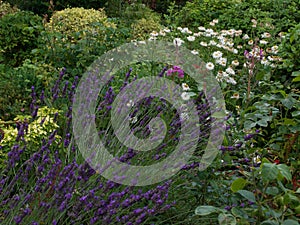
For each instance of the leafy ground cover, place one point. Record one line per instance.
(250, 47)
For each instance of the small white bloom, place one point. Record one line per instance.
(266, 35)
(185, 96)
(263, 42)
(203, 43)
(250, 42)
(231, 80)
(222, 61)
(245, 37)
(194, 52)
(201, 28)
(162, 33)
(274, 49)
(179, 28)
(217, 54)
(154, 34)
(212, 42)
(230, 43)
(235, 51)
(185, 86)
(130, 103)
(152, 39)
(190, 38)
(167, 30)
(230, 71)
(197, 34)
(215, 21)
(235, 63)
(210, 66)
(212, 23)
(178, 41)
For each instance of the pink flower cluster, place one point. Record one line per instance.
(176, 69)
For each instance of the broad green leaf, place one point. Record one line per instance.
(247, 194)
(272, 191)
(238, 184)
(269, 222)
(295, 73)
(262, 123)
(296, 79)
(226, 219)
(239, 213)
(269, 171)
(288, 102)
(285, 171)
(296, 113)
(290, 222)
(205, 210)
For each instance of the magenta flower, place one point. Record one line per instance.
(176, 69)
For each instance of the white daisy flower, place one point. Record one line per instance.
(152, 39)
(202, 28)
(167, 30)
(210, 66)
(217, 54)
(245, 37)
(222, 61)
(274, 49)
(250, 42)
(263, 42)
(212, 24)
(178, 41)
(212, 42)
(266, 35)
(231, 80)
(215, 21)
(203, 43)
(190, 38)
(162, 33)
(194, 52)
(185, 96)
(154, 34)
(235, 63)
(197, 34)
(229, 70)
(185, 86)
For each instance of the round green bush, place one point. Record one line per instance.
(77, 23)
(19, 34)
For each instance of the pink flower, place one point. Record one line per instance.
(176, 69)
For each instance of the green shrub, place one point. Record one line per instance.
(290, 48)
(143, 27)
(137, 11)
(74, 38)
(201, 12)
(19, 33)
(277, 15)
(15, 97)
(6, 8)
(77, 23)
